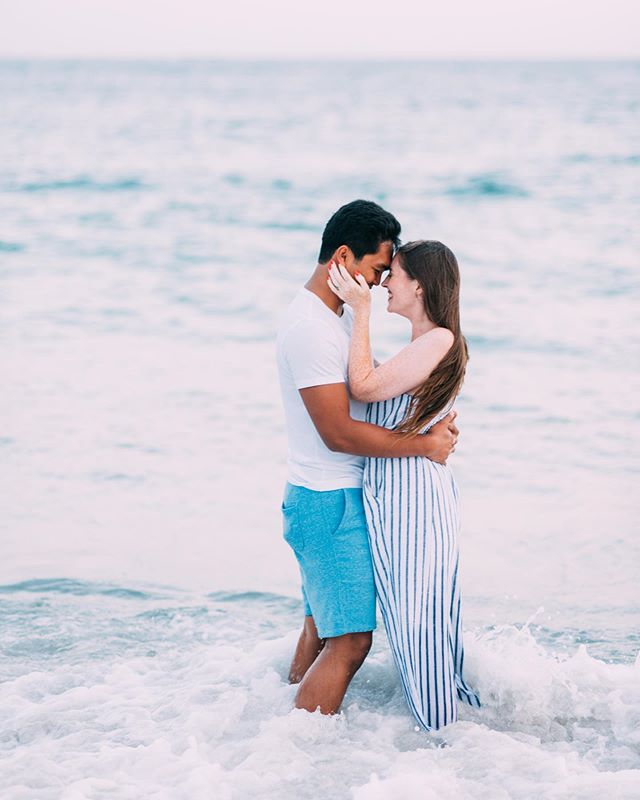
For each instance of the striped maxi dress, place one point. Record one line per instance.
(413, 519)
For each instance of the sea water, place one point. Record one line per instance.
(155, 220)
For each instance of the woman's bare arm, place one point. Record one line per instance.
(369, 381)
(402, 373)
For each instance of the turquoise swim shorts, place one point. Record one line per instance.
(327, 531)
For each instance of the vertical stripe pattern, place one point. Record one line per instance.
(413, 519)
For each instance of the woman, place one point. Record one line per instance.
(412, 503)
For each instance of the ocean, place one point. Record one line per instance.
(155, 220)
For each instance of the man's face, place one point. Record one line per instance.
(373, 266)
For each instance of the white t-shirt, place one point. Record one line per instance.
(313, 350)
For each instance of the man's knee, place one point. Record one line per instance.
(362, 643)
(353, 647)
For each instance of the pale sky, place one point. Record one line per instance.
(341, 29)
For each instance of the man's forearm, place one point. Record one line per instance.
(365, 439)
(328, 407)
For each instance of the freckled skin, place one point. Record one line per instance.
(409, 368)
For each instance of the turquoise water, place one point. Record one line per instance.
(155, 219)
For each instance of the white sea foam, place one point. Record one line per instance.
(201, 708)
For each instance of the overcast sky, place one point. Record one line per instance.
(321, 28)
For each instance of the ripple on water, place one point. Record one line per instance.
(489, 185)
(12, 247)
(82, 183)
(73, 587)
(196, 685)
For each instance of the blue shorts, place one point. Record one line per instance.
(327, 531)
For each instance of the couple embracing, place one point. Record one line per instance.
(370, 507)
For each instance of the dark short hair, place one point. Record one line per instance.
(362, 225)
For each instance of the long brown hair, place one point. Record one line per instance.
(435, 268)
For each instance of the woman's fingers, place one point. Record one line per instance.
(334, 279)
(349, 289)
(339, 274)
(338, 280)
(341, 277)
(361, 280)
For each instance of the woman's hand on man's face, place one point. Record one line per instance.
(353, 291)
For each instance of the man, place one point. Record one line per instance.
(324, 521)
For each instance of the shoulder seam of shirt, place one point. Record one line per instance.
(293, 325)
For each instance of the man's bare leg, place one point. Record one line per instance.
(307, 650)
(326, 680)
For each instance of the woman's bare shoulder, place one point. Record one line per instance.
(436, 337)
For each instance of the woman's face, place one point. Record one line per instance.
(403, 291)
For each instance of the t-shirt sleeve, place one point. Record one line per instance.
(313, 354)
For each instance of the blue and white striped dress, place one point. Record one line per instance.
(413, 518)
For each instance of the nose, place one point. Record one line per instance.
(385, 282)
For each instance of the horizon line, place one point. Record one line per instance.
(325, 59)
